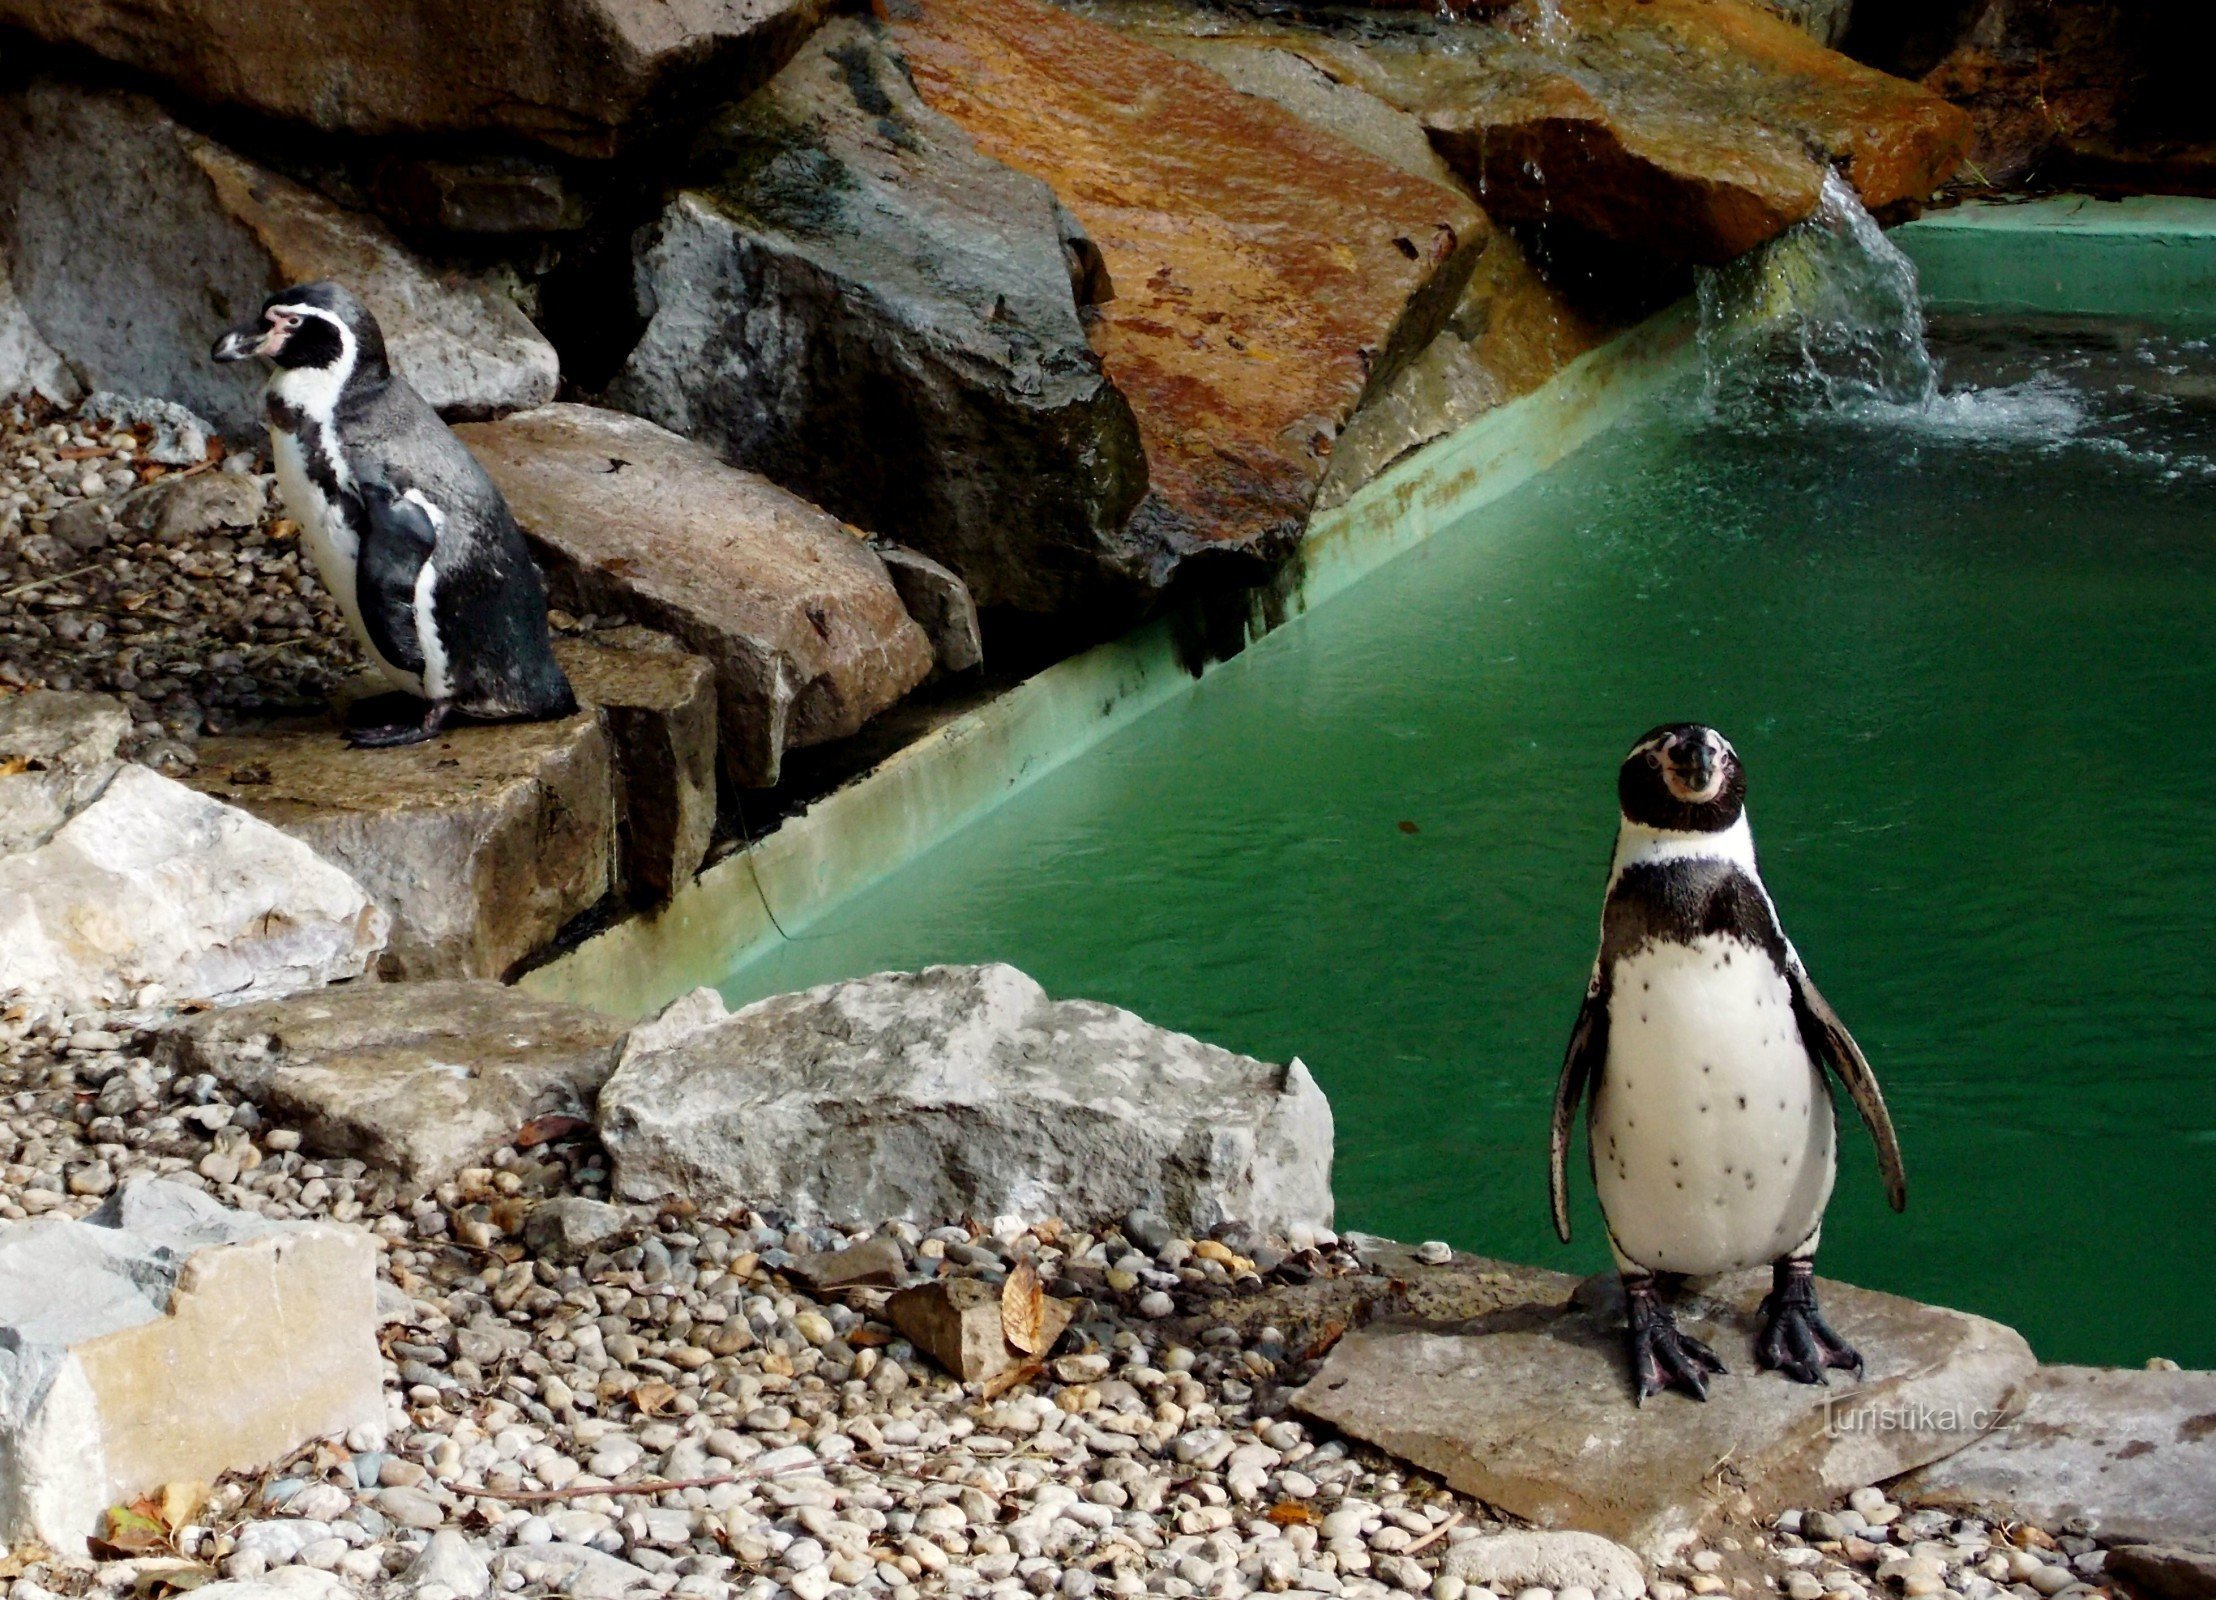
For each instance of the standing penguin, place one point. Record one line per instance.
(410, 535)
(1704, 1045)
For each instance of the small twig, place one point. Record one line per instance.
(52, 577)
(1435, 1535)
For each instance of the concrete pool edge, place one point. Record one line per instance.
(929, 790)
(2067, 255)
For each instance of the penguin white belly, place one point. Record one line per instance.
(331, 543)
(1712, 1128)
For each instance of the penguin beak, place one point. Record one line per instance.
(1695, 760)
(256, 338)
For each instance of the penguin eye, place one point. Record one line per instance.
(1654, 759)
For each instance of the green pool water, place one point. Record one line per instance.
(1966, 655)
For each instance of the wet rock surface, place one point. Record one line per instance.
(479, 844)
(1267, 273)
(420, 1079)
(806, 631)
(168, 1339)
(1529, 1408)
(576, 74)
(2130, 1455)
(855, 302)
(1685, 130)
(914, 1094)
(153, 887)
(133, 241)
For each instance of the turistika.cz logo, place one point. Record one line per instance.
(1847, 1416)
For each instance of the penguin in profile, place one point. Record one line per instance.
(410, 535)
(1704, 1045)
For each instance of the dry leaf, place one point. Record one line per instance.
(545, 1130)
(994, 1387)
(13, 765)
(1330, 1334)
(132, 1530)
(1023, 1307)
(1292, 1514)
(181, 1502)
(169, 1575)
(653, 1397)
(866, 1337)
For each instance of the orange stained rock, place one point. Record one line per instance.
(1264, 271)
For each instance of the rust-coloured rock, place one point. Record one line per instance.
(575, 74)
(1266, 273)
(807, 634)
(1691, 130)
(480, 844)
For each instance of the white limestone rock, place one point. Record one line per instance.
(57, 753)
(166, 1338)
(153, 883)
(28, 364)
(1539, 1558)
(965, 1090)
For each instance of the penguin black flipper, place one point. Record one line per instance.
(396, 542)
(1581, 1065)
(1828, 1041)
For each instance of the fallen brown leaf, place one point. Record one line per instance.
(653, 1397)
(1292, 1514)
(1320, 1346)
(1023, 1307)
(545, 1130)
(999, 1384)
(181, 1502)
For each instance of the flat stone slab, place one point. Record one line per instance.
(2132, 1453)
(1530, 1408)
(1266, 271)
(964, 1091)
(165, 1339)
(420, 1078)
(130, 237)
(480, 844)
(152, 884)
(806, 632)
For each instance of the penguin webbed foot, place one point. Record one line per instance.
(392, 736)
(1795, 1338)
(1663, 1356)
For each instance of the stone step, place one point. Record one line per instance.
(796, 613)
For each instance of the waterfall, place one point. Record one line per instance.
(1825, 316)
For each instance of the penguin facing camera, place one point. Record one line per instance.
(1703, 1044)
(411, 537)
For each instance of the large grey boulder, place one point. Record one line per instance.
(166, 1339)
(153, 884)
(480, 845)
(575, 74)
(855, 302)
(2132, 1454)
(420, 1078)
(965, 1090)
(1530, 1408)
(804, 627)
(57, 753)
(134, 241)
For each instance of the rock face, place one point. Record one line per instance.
(1267, 273)
(940, 602)
(479, 845)
(2166, 1571)
(965, 1090)
(576, 74)
(1681, 129)
(154, 884)
(658, 704)
(421, 1078)
(2132, 1453)
(805, 630)
(28, 364)
(57, 753)
(856, 303)
(1530, 1408)
(166, 1339)
(134, 241)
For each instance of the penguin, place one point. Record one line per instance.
(411, 537)
(1704, 1045)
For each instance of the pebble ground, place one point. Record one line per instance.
(1154, 1456)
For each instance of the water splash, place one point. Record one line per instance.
(1550, 25)
(1826, 317)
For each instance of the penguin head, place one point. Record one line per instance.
(1682, 777)
(317, 327)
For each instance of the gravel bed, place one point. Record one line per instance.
(1152, 1457)
(194, 627)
